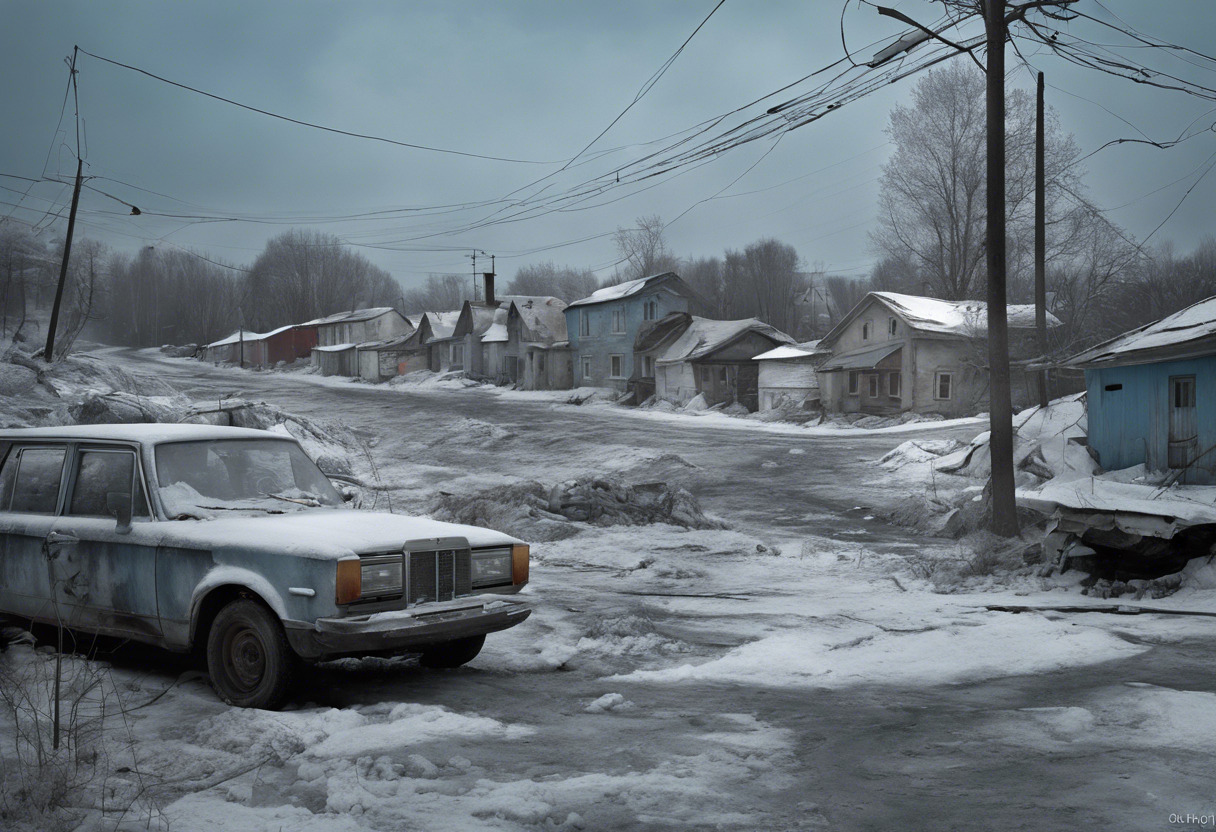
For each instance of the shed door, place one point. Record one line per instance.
(747, 385)
(1184, 432)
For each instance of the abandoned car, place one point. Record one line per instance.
(233, 543)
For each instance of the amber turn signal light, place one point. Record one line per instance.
(350, 580)
(520, 554)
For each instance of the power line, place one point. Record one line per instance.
(302, 123)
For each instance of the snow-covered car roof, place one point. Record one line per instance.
(1190, 333)
(145, 433)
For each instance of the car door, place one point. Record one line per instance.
(31, 480)
(105, 573)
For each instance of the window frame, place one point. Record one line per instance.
(892, 326)
(584, 324)
(587, 367)
(137, 479)
(650, 310)
(872, 385)
(865, 330)
(895, 385)
(619, 360)
(618, 326)
(648, 366)
(19, 450)
(1178, 383)
(937, 385)
(854, 382)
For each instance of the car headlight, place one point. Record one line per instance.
(381, 576)
(491, 567)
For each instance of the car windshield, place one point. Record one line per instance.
(264, 476)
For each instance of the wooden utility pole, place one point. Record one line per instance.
(48, 354)
(1040, 245)
(1000, 410)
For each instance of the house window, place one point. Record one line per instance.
(618, 321)
(892, 327)
(873, 386)
(705, 377)
(854, 382)
(865, 331)
(722, 375)
(648, 366)
(617, 364)
(943, 384)
(584, 323)
(893, 385)
(650, 310)
(458, 355)
(586, 366)
(1184, 391)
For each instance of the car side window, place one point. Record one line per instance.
(8, 477)
(100, 473)
(39, 471)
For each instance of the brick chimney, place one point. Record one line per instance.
(487, 279)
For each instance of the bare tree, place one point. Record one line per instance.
(643, 250)
(565, 282)
(932, 200)
(85, 287)
(440, 293)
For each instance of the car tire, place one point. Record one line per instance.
(451, 654)
(248, 658)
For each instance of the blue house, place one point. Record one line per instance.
(602, 327)
(1152, 395)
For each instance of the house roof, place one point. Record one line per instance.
(629, 287)
(704, 337)
(239, 335)
(352, 317)
(963, 318)
(866, 358)
(807, 349)
(336, 348)
(545, 317)
(443, 324)
(1190, 333)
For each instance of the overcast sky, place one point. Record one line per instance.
(532, 81)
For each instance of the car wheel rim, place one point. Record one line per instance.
(245, 658)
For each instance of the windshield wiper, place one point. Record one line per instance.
(307, 502)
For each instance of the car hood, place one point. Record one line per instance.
(328, 534)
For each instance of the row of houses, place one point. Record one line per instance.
(892, 353)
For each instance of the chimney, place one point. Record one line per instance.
(487, 279)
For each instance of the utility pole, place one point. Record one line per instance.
(48, 354)
(1040, 245)
(1000, 408)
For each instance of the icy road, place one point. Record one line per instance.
(768, 676)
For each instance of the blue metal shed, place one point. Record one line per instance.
(1152, 395)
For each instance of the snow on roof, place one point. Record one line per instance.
(443, 324)
(496, 333)
(622, 290)
(277, 331)
(793, 351)
(336, 348)
(145, 433)
(239, 335)
(956, 317)
(1187, 333)
(354, 316)
(545, 317)
(704, 336)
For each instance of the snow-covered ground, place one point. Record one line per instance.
(794, 670)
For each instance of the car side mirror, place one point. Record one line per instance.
(118, 503)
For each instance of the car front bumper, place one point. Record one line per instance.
(400, 631)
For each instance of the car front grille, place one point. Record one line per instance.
(439, 575)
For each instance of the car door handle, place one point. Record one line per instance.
(60, 539)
